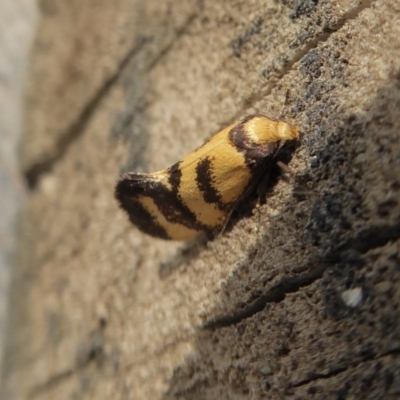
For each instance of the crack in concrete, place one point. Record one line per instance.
(338, 371)
(367, 240)
(53, 381)
(96, 354)
(75, 130)
(371, 238)
(312, 44)
(171, 44)
(275, 295)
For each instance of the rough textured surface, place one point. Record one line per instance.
(299, 300)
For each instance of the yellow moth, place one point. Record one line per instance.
(198, 193)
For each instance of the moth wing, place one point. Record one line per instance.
(130, 190)
(153, 205)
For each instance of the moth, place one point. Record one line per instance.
(199, 193)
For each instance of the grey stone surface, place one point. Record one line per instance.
(101, 311)
(17, 24)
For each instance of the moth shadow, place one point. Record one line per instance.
(188, 251)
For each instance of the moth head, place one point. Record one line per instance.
(264, 130)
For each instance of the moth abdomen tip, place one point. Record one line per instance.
(131, 184)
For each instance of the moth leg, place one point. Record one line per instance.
(284, 167)
(287, 172)
(262, 186)
(289, 176)
(285, 103)
(227, 220)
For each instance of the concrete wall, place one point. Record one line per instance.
(299, 298)
(17, 29)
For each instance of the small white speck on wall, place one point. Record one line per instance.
(352, 297)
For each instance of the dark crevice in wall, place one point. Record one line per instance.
(168, 48)
(370, 238)
(53, 381)
(33, 174)
(275, 295)
(279, 74)
(338, 371)
(367, 240)
(75, 130)
(91, 353)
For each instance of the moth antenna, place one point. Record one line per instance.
(287, 172)
(285, 103)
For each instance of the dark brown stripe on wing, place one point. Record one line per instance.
(134, 184)
(168, 203)
(175, 175)
(138, 214)
(204, 180)
(254, 154)
(174, 210)
(173, 207)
